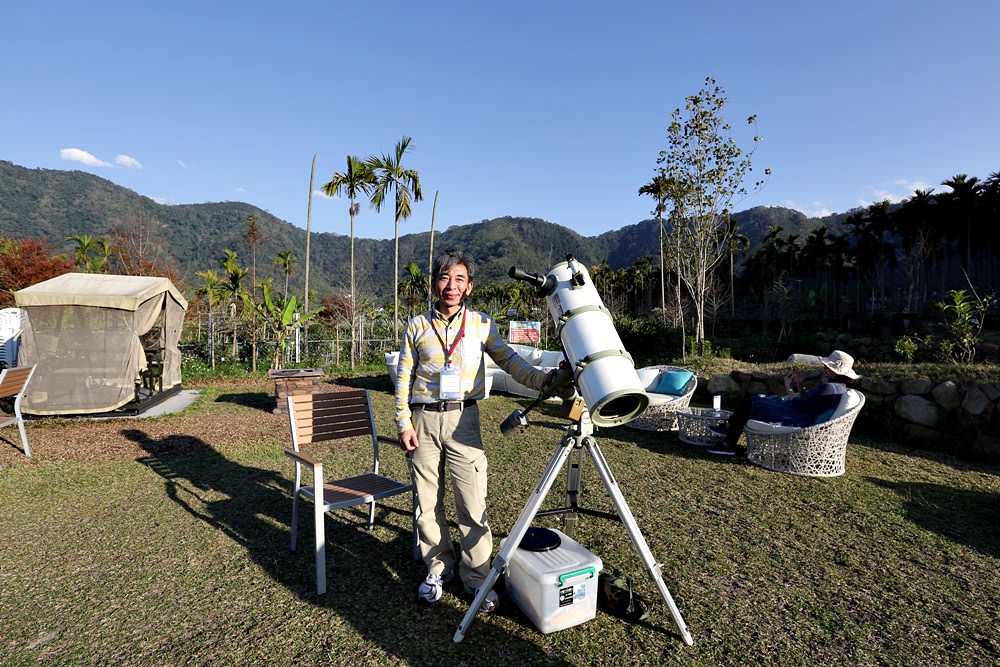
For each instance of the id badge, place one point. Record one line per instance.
(450, 384)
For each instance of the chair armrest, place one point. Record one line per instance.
(389, 441)
(302, 458)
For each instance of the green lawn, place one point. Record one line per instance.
(164, 541)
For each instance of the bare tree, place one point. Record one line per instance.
(137, 246)
(708, 171)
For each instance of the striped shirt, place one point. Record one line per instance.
(422, 356)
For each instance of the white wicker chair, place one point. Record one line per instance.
(813, 451)
(10, 336)
(661, 415)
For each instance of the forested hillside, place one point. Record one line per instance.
(54, 205)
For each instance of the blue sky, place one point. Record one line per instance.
(547, 109)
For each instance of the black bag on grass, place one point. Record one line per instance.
(615, 596)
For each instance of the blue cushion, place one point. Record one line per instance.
(824, 416)
(673, 382)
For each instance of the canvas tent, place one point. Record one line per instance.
(99, 341)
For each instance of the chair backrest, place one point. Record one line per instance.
(848, 401)
(14, 380)
(650, 377)
(333, 416)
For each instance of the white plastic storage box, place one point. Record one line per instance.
(553, 580)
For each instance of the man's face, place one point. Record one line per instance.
(453, 285)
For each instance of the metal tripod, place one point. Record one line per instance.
(578, 436)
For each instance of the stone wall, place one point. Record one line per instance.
(942, 414)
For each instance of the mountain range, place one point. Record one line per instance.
(55, 204)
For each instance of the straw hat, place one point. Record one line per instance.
(840, 363)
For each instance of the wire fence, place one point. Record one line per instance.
(315, 344)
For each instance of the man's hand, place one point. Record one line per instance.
(408, 440)
(559, 382)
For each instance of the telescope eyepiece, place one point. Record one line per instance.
(544, 284)
(520, 274)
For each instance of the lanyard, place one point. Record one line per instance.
(448, 351)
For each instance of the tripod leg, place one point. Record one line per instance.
(570, 519)
(519, 530)
(638, 541)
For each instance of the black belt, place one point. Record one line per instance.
(444, 406)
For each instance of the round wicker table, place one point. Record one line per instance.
(693, 425)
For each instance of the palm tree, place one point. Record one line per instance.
(253, 235)
(285, 260)
(211, 289)
(233, 288)
(358, 179)
(660, 188)
(913, 227)
(414, 288)
(963, 193)
(405, 184)
(738, 245)
(991, 202)
(92, 255)
(309, 210)
(430, 254)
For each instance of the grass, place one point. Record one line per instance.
(164, 541)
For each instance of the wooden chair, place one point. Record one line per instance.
(337, 416)
(819, 450)
(13, 382)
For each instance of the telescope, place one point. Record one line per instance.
(602, 369)
(604, 375)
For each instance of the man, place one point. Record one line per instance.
(441, 374)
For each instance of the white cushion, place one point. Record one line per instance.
(550, 358)
(391, 359)
(649, 377)
(527, 352)
(767, 428)
(850, 400)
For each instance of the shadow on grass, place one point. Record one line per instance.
(941, 455)
(252, 506)
(370, 382)
(257, 399)
(964, 516)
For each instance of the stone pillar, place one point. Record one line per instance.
(294, 382)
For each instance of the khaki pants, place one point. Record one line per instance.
(452, 438)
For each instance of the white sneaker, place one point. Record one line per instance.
(490, 603)
(433, 586)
